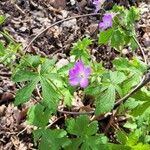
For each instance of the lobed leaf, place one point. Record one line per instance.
(38, 115)
(51, 139)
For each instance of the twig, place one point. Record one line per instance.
(38, 92)
(141, 49)
(54, 122)
(22, 131)
(56, 23)
(19, 9)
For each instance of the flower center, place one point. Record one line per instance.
(81, 75)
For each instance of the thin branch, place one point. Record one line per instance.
(56, 23)
(19, 9)
(141, 49)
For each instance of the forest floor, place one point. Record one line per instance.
(25, 20)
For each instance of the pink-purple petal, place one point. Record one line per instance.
(87, 71)
(74, 81)
(107, 17)
(79, 64)
(74, 72)
(101, 25)
(84, 82)
(106, 21)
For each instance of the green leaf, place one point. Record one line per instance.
(133, 66)
(25, 93)
(122, 64)
(80, 49)
(133, 44)
(38, 115)
(2, 49)
(92, 90)
(132, 81)
(104, 36)
(141, 95)
(117, 77)
(132, 15)
(133, 138)
(51, 139)
(87, 138)
(74, 126)
(140, 67)
(139, 110)
(141, 146)
(49, 94)
(47, 66)
(121, 137)
(30, 61)
(130, 125)
(105, 102)
(2, 19)
(117, 147)
(117, 39)
(130, 104)
(67, 97)
(24, 75)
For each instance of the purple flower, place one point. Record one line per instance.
(106, 21)
(98, 4)
(79, 75)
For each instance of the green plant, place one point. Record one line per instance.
(109, 88)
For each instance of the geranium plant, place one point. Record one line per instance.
(111, 90)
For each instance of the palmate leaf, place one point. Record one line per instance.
(131, 141)
(38, 115)
(74, 126)
(141, 146)
(85, 131)
(30, 60)
(51, 139)
(37, 70)
(133, 66)
(80, 49)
